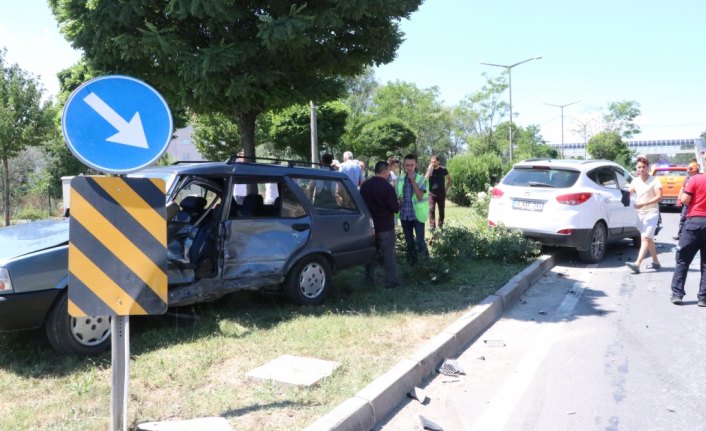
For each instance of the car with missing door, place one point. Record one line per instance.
(579, 204)
(230, 226)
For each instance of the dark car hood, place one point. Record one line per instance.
(24, 238)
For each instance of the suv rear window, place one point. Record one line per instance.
(667, 173)
(541, 177)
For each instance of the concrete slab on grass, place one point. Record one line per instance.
(210, 424)
(294, 370)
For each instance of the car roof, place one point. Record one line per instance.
(239, 168)
(576, 164)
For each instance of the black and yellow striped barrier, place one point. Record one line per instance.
(117, 246)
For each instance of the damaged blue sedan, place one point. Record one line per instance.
(230, 226)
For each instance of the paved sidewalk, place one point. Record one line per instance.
(380, 397)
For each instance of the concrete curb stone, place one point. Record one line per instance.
(382, 395)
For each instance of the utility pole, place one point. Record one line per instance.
(509, 67)
(562, 122)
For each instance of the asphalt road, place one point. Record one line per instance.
(588, 347)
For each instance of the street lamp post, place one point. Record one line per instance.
(509, 67)
(562, 123)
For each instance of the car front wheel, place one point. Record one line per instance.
(595, 246)
(309, 281)
(81, 336)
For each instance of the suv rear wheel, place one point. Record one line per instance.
(595, 246)
(309, 281)
(76, 335)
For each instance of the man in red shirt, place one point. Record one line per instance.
(692, 240)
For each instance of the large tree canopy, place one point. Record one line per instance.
(24, 119)
(236, 58)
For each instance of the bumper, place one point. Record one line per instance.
(26, 310)
(577, 239)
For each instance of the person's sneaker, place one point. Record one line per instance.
(676, 299)
(701, 303)
(633, 267)
(655, 266)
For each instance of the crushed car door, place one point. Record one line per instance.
(262, 232)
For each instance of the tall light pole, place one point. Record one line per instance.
(509, 67)
(562, 123)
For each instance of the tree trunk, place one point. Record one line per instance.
(6, 191)
(246, 121)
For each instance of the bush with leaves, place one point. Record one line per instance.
(472, 174)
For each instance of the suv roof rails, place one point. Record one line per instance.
(274, 161)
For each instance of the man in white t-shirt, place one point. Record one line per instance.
(648, 193)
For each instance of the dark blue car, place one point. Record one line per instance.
(230, 226)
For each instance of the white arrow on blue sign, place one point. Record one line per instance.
(117, 124)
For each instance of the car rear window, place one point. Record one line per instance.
(540, 176)
(667, 173)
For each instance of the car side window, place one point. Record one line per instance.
(328, 196)
(623, 177)
(264, 198)
(604, 176)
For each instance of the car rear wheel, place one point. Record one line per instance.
(595, 246)
(309, 281)
(81, 336)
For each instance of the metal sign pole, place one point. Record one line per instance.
(120, 342)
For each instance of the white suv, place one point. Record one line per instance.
(579, 204)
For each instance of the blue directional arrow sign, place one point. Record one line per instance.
(117, 124)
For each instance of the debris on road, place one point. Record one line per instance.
(494, 343)
(450, 367)
(419, 395)
(429, 425)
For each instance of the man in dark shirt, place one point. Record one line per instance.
(382, 202)
(692, 239)
(439, 180)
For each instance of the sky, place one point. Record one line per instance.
(593, 52)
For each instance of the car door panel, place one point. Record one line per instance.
(256, 248)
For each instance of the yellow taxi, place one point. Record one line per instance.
(672, 178)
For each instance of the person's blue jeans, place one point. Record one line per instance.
(412, 229)
(692, 239)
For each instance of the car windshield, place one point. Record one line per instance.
(533, 176)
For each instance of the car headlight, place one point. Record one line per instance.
(5, 282)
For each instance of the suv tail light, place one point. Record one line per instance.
(574, 198)
(496, 193)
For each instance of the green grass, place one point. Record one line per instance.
(194, 364)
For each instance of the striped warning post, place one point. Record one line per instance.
(117, 246)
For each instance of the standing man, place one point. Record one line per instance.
(648, 191)
(411, 191)
(351, 168)
(394, 165)
(692, 240)
(691, 170)
(382, 202)
(439, 181)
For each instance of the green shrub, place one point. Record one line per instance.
(472, 174)
(480, 242)
(29, 213)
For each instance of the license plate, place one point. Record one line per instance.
(525, 205)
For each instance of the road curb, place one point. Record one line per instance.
(382, 395)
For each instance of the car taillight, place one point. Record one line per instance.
(5, 282)
(565, 231)
(573, 198)
(496, 193)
